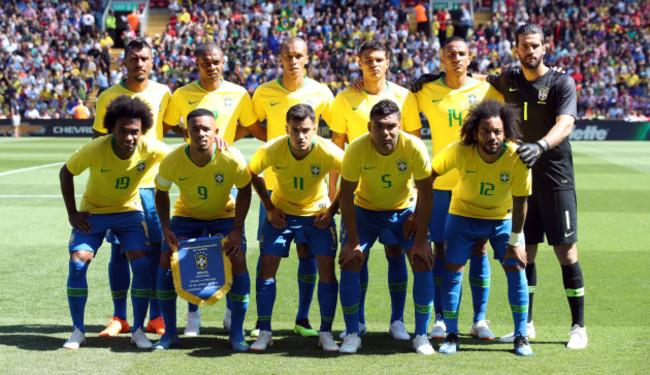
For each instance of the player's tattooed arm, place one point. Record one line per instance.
(77, 219)
(233, 244)
(162, 207)
(275, 215)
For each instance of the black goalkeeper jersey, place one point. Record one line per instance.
(540, 102)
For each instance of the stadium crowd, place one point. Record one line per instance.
(53, 54)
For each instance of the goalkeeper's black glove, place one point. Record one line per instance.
(529, 153)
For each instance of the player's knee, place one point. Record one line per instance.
(566, 254)
(136, 254)
(393, 251)
(239, 263)
(453, 267)
(165, 259)
(302, 250)
(82, 256)
(480, 248)
(439, 250)
(513, 268)
(352, 265)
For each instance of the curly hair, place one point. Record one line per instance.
(130, 108)
(508, 114)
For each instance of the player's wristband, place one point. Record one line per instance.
(517, 239)
(543, 144)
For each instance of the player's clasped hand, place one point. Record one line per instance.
(424, 252)
(529, 153)
(323, 219)
(349, 253)
(276, 217)
(171, 239)
(517, 253)
(232, 246)
(79, 222)
(409, 226)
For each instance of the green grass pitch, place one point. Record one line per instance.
(614, 209)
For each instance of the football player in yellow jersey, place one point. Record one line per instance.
(300, 211)
(228, 102)
(488, 203)
(230, 105)
(445, 101)
(350, 113)
(117, 163)
(138, 62)
(205, 177)
(271, 101)
(383, 164)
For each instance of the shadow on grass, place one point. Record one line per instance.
(213, 342)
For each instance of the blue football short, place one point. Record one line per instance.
(463, 232)
(187, 228)
(130, 228)
(147, 196)
(383, 225)
(299, 229)
(441, 201)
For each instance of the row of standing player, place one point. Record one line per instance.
(213, 93)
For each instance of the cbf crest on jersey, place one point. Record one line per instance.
(227, 102)
(504, 177)
(542, 94)
(141, 166)
(315, 170)
(219, 178)
(401, 165)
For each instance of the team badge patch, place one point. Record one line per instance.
(401, 165)
(309, 102)
(504, 177)
(141, 166)
(201, 262)
(219, 178)
(315, 170)
(472, 99)
(227, 102)
(542, 94)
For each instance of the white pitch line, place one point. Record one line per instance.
(30, 168)
(48, 195)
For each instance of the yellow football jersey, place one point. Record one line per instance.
(351, 110)
(385, 181)
(272, 101)
(113, 183)
(155, 95)
(484, 191)
(445, 108)
(205, 191)
(229, 103)
(301, 188)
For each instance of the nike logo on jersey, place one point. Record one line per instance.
(468, 171)
(366, 168)
(355, 108)
(274, 104)
(279, 167)
(568, 234)
(105, 170)
(435, 100)
(512, 89)
(192, 102)
(183, 178)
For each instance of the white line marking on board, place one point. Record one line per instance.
(30, 168)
